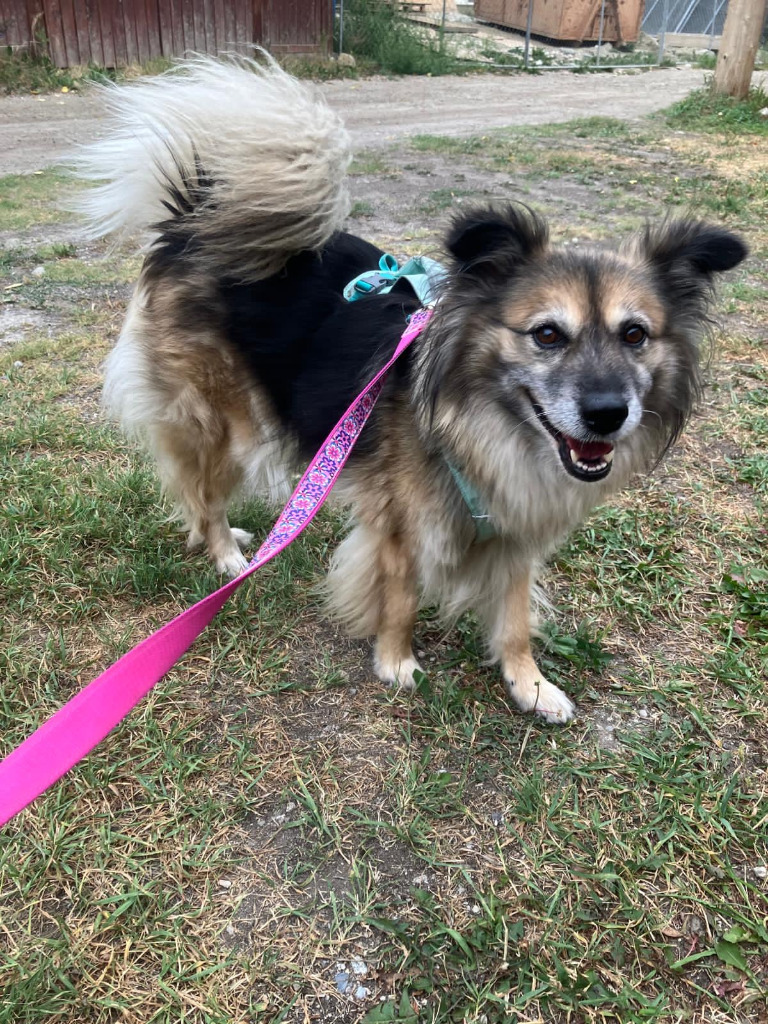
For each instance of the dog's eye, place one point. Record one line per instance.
(547, 335)
(633, 334)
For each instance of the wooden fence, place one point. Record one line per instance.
(112, 33)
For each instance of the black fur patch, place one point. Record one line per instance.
(494, 240)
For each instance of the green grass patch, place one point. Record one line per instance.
(707, 111)
(30, 199)
(379, 33)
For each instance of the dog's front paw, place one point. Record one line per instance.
(532, 692)
(226, 553)
(397, 672)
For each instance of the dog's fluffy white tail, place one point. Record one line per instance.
(249, 159)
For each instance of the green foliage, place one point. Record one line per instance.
(379, 33)
(33, 71)
(707, 111)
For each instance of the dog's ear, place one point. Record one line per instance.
(494, 240)
(682, 247)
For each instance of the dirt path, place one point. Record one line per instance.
(39, 130)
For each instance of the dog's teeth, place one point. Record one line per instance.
(574, 456)
(608, 457)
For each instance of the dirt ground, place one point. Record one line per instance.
(36, 131)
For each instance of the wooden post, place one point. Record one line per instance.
(741, 38)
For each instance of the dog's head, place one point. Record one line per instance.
(581, 352)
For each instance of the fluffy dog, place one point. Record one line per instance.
(546, 379)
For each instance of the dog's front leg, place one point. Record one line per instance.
(524, 683)
(393, 658)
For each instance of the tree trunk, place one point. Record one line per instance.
(741, 38)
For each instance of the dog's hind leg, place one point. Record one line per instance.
(201, 476)
(511, 642)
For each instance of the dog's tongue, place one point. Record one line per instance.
(588, 450)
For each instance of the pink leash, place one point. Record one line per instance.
(75, 729)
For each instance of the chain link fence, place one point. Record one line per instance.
(440, 36)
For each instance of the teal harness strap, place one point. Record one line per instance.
(484, 528)
(422, 274)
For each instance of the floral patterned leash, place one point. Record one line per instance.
(76, 728)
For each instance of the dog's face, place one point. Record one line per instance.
(584, 352)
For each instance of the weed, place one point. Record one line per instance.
(361, 209)
(707, 111)
(380, 33)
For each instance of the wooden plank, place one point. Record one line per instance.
(230, 30)
(107, 17)
(129, 28)
(165, 26)
(69, 32)
(209, 17)
(140, 15)
(54, 31)
(94, 31)
(118, 34)
(188, 22)
(153, 27)
(15, 23)
(198, 21)
(219, 23)
(249, 25)
(82, 31)
(175, 47)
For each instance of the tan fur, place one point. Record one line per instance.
(201, 418)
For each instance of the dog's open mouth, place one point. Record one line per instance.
(585, 460)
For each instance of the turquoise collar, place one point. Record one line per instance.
(484, 528)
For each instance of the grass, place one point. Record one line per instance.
(25, 200)
(33, 71)
(380, 35)
(270, 819)
(707, 111)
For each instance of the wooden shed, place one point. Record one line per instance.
(574, 21)
(113, 33)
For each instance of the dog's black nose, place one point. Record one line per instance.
(604, 412)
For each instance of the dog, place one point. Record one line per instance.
(546, 379)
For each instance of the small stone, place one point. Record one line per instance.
(763, 112)
(38, 272)
(352, 691)
(342, 981)
(475, 909)
(421, 879)
(695, 925)
(359, 967)
(643, 712)
(18, 364)
(361, 992)
(290, 807)
(229, 930)
(346, 60)
(224, 883)
(497, 818)
(760, 871)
